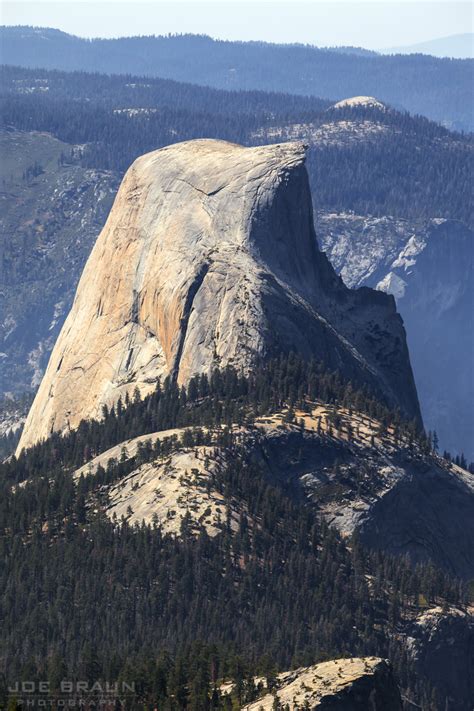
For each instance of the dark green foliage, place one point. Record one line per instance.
(8, 442)
(130, 603)
(225, 398)
(86, 599)
(411, 176)
(32, 171)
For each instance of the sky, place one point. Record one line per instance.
(377, 24)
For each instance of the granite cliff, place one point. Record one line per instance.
(209, 258)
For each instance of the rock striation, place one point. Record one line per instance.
(209, 258)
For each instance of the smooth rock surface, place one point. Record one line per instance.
(168, 491)
(209, 258)
(396, 498)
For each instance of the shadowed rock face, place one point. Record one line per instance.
(209, 258)
(427, 265)
(441, 645)
(396, 499)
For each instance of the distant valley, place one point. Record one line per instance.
(428, 267)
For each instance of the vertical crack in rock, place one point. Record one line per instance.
(184, 321)
(134, 311)
(129, 359)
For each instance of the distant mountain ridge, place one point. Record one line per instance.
(457, 46)
(438, 88)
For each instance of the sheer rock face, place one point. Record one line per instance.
(209, 258)
(441, 645)
(428, 266)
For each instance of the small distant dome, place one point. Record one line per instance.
(369, 101)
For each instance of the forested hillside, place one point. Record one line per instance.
(52, 210)
(437, 88)
(278, 589)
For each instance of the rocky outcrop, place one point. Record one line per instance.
(357, 479)
(427, 265)
(170, 491)
(355, 684)
(427, 513)
(209, 258)
(364, 101)
(396, 498)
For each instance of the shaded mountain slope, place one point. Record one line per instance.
(358, 476)
(52, 210)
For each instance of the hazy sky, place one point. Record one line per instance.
(375, 24)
